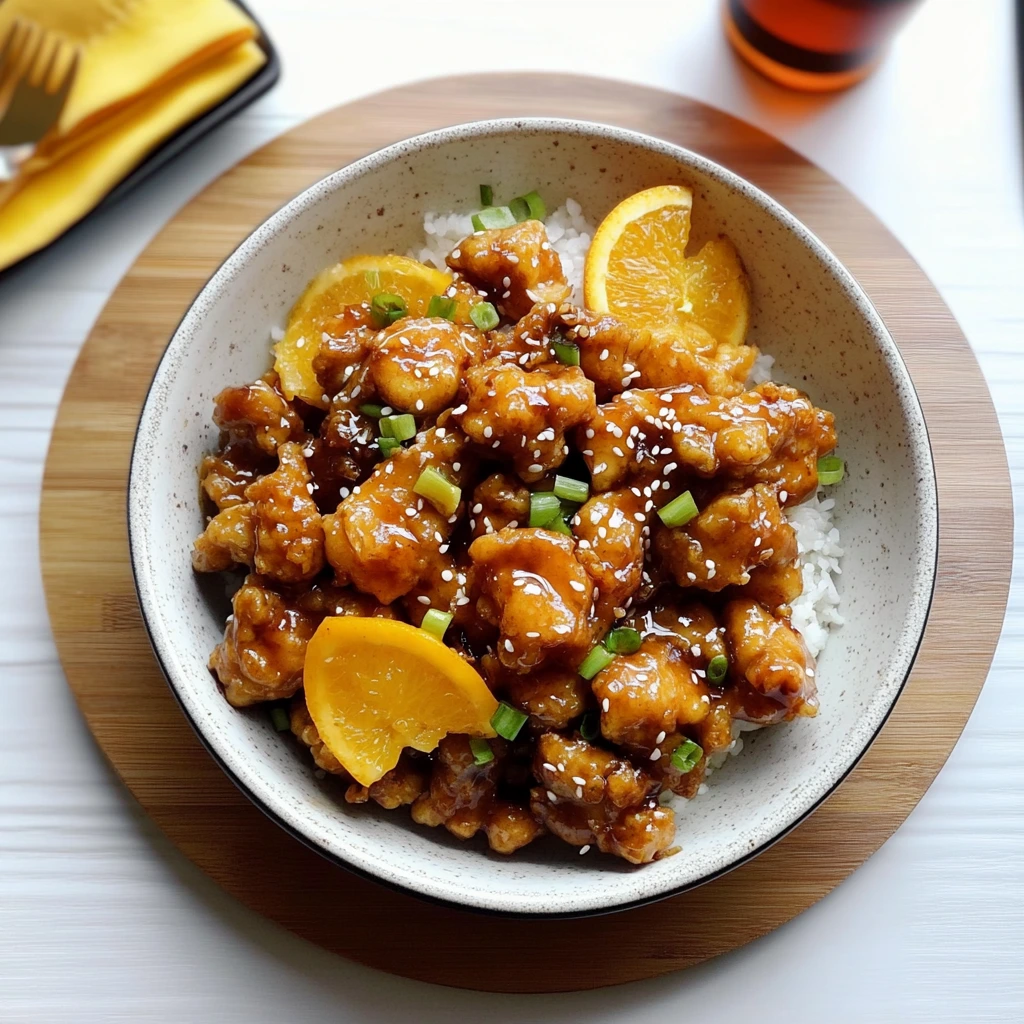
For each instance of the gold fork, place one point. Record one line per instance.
(38, 75)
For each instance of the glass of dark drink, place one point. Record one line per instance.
(814, 45)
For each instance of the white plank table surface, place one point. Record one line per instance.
(101, 920)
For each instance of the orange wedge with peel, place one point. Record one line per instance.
(374, 686)
(346, 284)
(637, 270)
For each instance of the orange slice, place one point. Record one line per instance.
(345, 284)
(374, 686)
(637, 269)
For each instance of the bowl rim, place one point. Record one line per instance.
(922, 583)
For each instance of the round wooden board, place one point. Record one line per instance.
(128, 706)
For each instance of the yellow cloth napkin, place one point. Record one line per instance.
(147, 68)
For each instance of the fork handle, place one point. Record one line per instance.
(11, 159)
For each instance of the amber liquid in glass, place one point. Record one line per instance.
(816, 45)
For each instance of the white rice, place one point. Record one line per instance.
(816, 610)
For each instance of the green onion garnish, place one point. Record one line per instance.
(538, 211)
(372, 278)
(598, 658)
(590, 727)
(387, 445)
(401, 427)
(507, 721)
(482, 753)
(484, 315)
(572, 490)
(439, 491)
(372, 409)
(442, 306)
(718, 667)
(493, 217)
(831, 469)
(386, 309)
(544, 507)
(520, 209)
(686, 756)
(624, 640)
(679, 511)
(559, 525)
(565, 352)
(279, 718)
(486, 195)
(436, 622)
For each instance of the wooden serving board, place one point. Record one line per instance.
(128, 706)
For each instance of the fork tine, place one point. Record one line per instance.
(9, 51)
(70, 72)
(55, 50)
(33, 42)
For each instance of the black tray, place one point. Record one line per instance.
(177, 143)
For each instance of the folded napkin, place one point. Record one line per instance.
(147, 68)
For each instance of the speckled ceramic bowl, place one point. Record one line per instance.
(807, 311)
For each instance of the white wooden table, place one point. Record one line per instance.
(101, 920)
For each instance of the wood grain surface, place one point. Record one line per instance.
(129, 708)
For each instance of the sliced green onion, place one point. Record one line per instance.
(441, 305)
(565, 352)
(544, 507)
(482, 753)
(831, 469)
(507, 721)
(486, 195)
(436, 622)
(401, 427)
(538, 211)
(718, 667)
(624, 640)
(590, 727)
(372, 409)
(387, 445)
(572, 490)
(493, 217)
(484, 315)
(386, 309)
(280, 720)
(559, 525)
(599, 658)
(520, 209)
(686, 756)
(679, 511)
(372, 278)
(439, 491)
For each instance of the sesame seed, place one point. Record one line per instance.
(410, 511)
(533, 636)
(618, 451)
(691, 576)
(661, 737)
(478, 508)
(655, 754)
(605, 705)
(506, 281)
(443, 549)
(447, 575)
(535, 467)
(532, 589)
(512, 257)
(709, 562)
(783, 495)
(456, 466)
(579, 792)
(423, 599)
(552, 797)
(578, 587)
(590, 433)
(639, 516)
(510, 647)
(488, 431)
(456, 253)
(604, 355)
(547, 766)
(584, 849)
